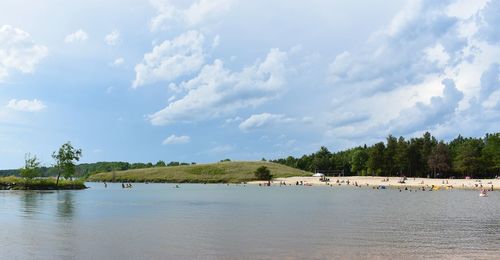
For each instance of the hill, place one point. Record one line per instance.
(223, 172)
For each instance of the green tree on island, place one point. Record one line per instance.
(263, 173)
(65, 160)
(31, 167)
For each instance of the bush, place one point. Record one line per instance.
(263, 173)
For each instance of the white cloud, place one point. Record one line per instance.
(422, 116)
(197, 13)
(233, 119)
(18, 51)
(216, 41)
(490, 30)
(438, 55)
(78, 36)
(173, 139)
(25, 105)
(399, 55)
(171, 59)
(262, 120)
(112, 38)
(216, 91)
(118, 61)
(392, 84)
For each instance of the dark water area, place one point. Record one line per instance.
(158, 221)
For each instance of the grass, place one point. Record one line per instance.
(17, 183)
(224, 172)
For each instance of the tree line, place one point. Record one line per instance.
(86, 169)
(416, 157)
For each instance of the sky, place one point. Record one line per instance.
(204, 80)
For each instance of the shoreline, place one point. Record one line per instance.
(18, 183)
(373, 182)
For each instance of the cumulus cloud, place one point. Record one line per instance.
(217, 91)
(421, 40)
(112, 38)
(490, 81)
(171, 59)
(25, 105)
(198, 12)
(18, 51)
(78, 36)
(262, 120)
(422, 116)
(394, 82)
(173, 139)
(490, 30)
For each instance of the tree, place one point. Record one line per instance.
(491, 153)
(415, 161)
(263, 173)
(359, 159)
(31, 167)
(376, 158)
(173, 164)
(428, 144)
(322, 160)
(160, 163)
(390, 154)
(439, 160)
(65, 160)
(401, 157)
(469, 160)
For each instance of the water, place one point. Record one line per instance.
(158, 221)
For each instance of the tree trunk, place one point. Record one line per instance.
(58, 175)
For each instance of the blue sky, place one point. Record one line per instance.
(205, 80)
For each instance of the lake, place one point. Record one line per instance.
(195, 221)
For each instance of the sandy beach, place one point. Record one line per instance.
(393, 182)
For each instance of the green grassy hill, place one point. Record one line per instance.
(224, 172)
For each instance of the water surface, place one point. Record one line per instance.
(158, 221)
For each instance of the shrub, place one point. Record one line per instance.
(263, 173)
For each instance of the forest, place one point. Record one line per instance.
(416, 157)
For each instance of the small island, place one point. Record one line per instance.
(18, 183)
(31, 178)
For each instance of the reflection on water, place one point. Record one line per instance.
(156, 221)
(65, 205)
(29, 203)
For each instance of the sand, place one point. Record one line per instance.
(393, 182)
